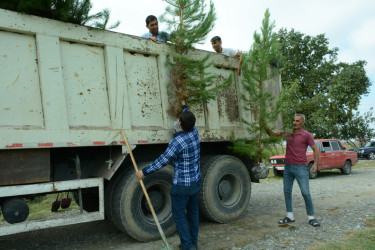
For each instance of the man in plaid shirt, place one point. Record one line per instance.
(184, 152)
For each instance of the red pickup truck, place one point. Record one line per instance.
(332, 154)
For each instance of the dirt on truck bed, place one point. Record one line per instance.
(342, 204)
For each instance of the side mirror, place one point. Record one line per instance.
(322, 151)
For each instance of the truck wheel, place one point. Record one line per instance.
(109, 191)
(15, 210)
(312, 175)
(226, 188)
(347, 168)
(278, 173)
(371, 156)
(90, 199)
(131, 211)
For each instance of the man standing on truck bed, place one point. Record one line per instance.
(296, 168)
(153, 27)
(184, 151)
(216, 45)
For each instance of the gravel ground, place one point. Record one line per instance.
(342, 205)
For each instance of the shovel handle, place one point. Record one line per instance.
(145, 192)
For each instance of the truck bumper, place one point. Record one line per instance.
(279, 167)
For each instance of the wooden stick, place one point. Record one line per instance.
(145, 192)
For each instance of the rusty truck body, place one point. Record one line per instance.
(67, 92)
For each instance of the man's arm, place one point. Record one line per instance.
(314, 167)
(153, 38)
(239, 54)
(149, 36)
(271, 133)
(169, 155)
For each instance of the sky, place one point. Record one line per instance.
(348, 24)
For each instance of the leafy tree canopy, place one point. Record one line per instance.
(358, 128)
(327, 92)
(72, 11)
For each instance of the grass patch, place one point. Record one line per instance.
(364, 165)
(40, 207)
(363, 239)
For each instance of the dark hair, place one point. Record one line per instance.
(187, 120)
(215, 38)
(150, 18)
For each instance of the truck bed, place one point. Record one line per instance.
(65, 85)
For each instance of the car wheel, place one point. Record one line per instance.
(131, 210)
(347, 168)
(277, 172)
(371, 156)
(226, 188)
(312, 175)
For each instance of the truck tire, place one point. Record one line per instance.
(312, 175)
(347, 168)
(90, 199)
(226, 188)
(109, 191)
(15, 210)
(131, 211)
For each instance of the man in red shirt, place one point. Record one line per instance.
(296, 168)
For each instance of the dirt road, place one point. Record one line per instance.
(342, 203)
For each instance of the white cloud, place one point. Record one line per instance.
(364, 37)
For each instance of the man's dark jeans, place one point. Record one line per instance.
(301, 174)
(186, 198)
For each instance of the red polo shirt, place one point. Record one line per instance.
(296, 146)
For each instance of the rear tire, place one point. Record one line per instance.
(130, 208)
(226, 188)
(90, 199)
(109, 193)
(347, 168)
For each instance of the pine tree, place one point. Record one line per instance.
(72, 11)
(259, 66)
(190, 24)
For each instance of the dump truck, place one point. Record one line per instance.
(66, 94)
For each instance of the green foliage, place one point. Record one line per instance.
(314, 84)
(190, 24)
(358, 128)
(263, 106)
(72, 11)
(104, 21)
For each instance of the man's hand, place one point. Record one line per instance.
(314, 168)
(139, 175)
(239, 54)
(153, 38)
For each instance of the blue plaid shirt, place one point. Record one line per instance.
(184, 152)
